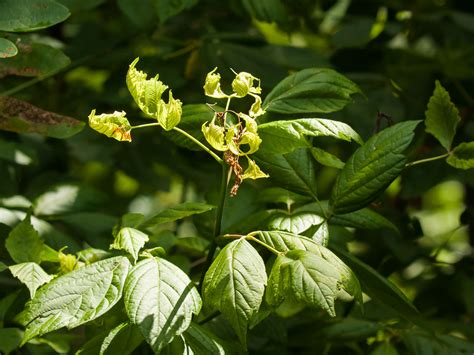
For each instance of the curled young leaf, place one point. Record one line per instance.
(113, 125)
(214, 135)
(170, 114)
(253, 171)
(256, 108)
(212, 85)
(251, 141)
(243, 84)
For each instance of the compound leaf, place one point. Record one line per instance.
(234, 284)
(372, 168)
(75, 298)
(161, 299)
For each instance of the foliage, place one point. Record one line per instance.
(283, 177)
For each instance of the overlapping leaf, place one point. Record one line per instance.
(31, 274)
(462, 156)
(178, 212)
(131, 240)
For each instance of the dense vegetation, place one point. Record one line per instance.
(279, 177)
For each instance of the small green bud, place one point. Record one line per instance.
(243, 84)
(212, 85)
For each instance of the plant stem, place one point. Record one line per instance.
(217, 223)
(214, 155)
(273, 250)
(145, 125)
(421, 161)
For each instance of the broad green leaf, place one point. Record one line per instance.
(203, 341)
(7, 48)
(347, 329)
(113, 125)
(279, 137)
(235, 283)
(321, 234)
(377, 287)
(75, 298)
(311, 91)
(372, 168)
(462, 156)
(197, 244)
(295, 223)
(10, 339)
(30, 15)
(194, 116)
(34, 60)
(66, 198)
(21, 117)
(169, 8)
(364, 218)
(442, 117)
(284, 242)
(24, 244)
(326, 159)
(123, 339)
(131, 240)
(294, 171)
(160, 299)
(305, 276)
(17, 153)
(385, 349)
(178, 212)
(31, 274)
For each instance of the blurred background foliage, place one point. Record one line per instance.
(78, 187)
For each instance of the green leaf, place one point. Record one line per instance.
(310, 91)
(364, 218)
(178, 212)
(123, 339)
(377, 287)
(31, 274)
(113, 125)
(385, 349)
(17, 153)
(326, 159)
(75, 298)
(3, 266)
(267, 10)
(442, 117)
(24, 243)
(235, 283)
(372, 168)
(78, 5)
(34, 60)
(131, 240)
(282, 196)
(284, 242)
(140, 12)
(21, 117)
(347, 329)
(281, 137)
(306, 277)
(10, 339)
(462, 156)
(160, 299)
(30, 15)
(7, 48)
(169, 8)
(202, 341)
(295, 223)
(294, 171)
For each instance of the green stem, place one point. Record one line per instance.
(145, 125)
(421, 161)
(273, 250)
(217, 224)
(214, 155)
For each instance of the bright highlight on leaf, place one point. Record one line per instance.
(212, 85)
(131, 240)
(147, 94)
(31, 274)
(113, 125)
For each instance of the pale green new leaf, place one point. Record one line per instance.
(442, 117)
(31, 274)
(372, 167)
(306, 277)
(284, 242)
(75, 298)
(113, 125)
(178, 212)
(131, 240)
(24, 244)
(235, 283)
(462, 156)
(326, 159)
(253, 171)
(279, 137)
(310, 91)
(161, 299)
(295, 223)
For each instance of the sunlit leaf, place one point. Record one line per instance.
(326, 159)
(160, 299)
(113, 125)
(24, 243)
(131, 240)
(75, 298)
(31, 274)
(462, 156)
